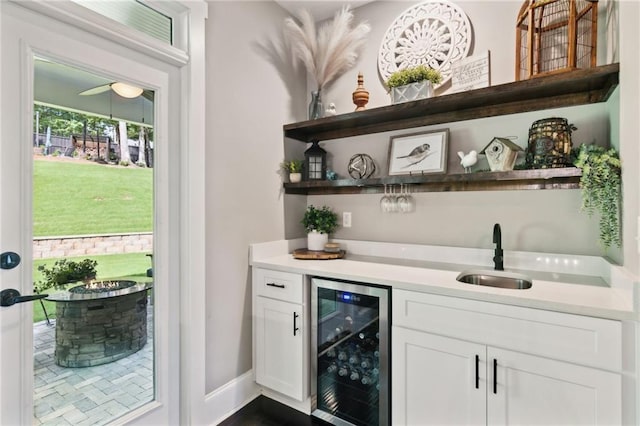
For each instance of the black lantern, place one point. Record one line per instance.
(315, 162)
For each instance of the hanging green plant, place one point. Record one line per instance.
(601, 189)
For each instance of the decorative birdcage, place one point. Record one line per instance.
(555, 36)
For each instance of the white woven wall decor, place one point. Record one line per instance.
(433, 33)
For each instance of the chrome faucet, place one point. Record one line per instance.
(498, 257)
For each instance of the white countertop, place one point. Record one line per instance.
(583, 285)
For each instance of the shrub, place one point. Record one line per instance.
(293, 166)
(413, 75)
(323, 220)
(63, 272)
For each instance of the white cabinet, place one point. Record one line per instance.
(281, 347)
(458, 361)
(434, 380)
(538, 391)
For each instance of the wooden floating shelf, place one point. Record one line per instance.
(558, 178)
(579, 87)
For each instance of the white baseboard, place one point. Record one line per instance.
(230, 397)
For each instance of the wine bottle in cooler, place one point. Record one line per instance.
(366, 379)
(355, 374)
(343, 371)
(366, 363)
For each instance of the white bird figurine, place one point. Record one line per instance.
(331, 110)
(468, 160)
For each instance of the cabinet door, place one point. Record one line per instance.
(279, 362)
(538, 391)
(436, 380)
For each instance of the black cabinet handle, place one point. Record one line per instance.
(275, 285)
(477, 372)
(295, 328)
(495, 375)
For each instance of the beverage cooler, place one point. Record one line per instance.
(350, 344)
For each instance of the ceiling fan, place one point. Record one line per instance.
(122, 89)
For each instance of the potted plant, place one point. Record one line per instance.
(63, 272)
(601, 189)
(410, 84)
(294, 168)
(319, 223)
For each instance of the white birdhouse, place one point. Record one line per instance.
(501, 154)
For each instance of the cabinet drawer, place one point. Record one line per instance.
(580, 339)
(278, 285)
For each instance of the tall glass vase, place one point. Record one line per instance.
(315, 107)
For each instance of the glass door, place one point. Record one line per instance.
(350, 339)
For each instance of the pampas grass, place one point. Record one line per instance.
(329, 52)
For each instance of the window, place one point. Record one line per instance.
(136, 15)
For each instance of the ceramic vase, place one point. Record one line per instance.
(316, 240)
(295, 177)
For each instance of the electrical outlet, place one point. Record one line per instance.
(346, 219)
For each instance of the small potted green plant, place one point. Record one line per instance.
(294, 168)
(64, 272)
(601, 189)
(319, 223)
(410, 84)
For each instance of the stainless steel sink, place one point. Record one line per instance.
(496, 279)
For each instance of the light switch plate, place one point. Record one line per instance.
(346, 219)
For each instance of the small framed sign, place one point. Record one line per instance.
(471, 73)
(418, 153)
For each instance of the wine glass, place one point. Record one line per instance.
(403, 201)
(407, 203)
(386, 201)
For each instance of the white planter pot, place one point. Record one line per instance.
(316, 241)
(295, 177)
(412, 92)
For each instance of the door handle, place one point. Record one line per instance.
(275, 285)
(12, 296)
(495, 376)
(477, 372)
(295, 327)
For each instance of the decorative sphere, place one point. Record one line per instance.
(361, 166)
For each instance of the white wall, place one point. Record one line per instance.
(547, 221)
(248, 100)
(629, 115)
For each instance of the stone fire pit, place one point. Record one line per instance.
(100, 322)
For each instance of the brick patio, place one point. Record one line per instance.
(89, 395)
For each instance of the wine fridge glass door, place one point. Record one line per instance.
(350, 342)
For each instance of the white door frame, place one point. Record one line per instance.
(181, 212)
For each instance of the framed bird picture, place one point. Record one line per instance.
(419, 153)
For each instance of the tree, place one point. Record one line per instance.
(123, 140)
(67, 123)
(143, 143)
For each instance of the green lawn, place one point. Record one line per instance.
(132, 266)
(80, 198)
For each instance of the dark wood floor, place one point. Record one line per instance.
(263, 411)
